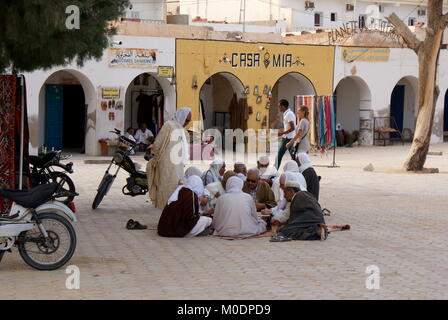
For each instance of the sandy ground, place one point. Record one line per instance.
(398, 223)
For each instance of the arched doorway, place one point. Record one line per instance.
(353, 97)
(216, 97)
(144, 103)
(64, 101)
(445, 118)
(288, 87)
(403, 102)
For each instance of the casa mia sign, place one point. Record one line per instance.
(255, 60)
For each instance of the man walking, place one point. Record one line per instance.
(288, 132)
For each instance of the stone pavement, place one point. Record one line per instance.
(399, 223)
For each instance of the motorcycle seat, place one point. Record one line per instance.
(40, 161)
(141, 174)
(31, 198)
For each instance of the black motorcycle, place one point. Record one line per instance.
(47, 168)
(136, 183)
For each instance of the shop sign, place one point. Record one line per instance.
(110, 93)
(165, 72)
(365, 54)
(132, 58)
(266, 60)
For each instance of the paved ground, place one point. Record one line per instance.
(399, 223)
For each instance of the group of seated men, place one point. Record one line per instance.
(244, 203)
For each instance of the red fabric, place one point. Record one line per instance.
(8, 103)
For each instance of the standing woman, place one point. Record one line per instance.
(166, 168)
(303, 132)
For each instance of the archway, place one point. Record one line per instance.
(215, 97)
(144, 103)
(288, 87)
(445, 118)
(403, 104)
(353, 97)
(65, 99)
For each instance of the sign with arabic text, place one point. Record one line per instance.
(351, 54)
(132, 58)
(110, 93)
(165, 72)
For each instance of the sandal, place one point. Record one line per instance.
(135, 225)
(279, 238)
(326, 212)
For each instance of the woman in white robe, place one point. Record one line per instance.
(235, 213)
(290, 166)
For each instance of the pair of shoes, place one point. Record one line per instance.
(135, 225)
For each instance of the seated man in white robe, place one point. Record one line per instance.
(267, 173)
(235, 213)
(280, 213)
(290, 166)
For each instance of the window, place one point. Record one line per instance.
(333, 16)
(362, 21)
(318, 19)
(411, 21)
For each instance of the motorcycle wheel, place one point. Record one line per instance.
(102, 190)
(43, 256)
(66, 185)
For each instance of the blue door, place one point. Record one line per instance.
(397, 109)
(53, 116)
(445, 117)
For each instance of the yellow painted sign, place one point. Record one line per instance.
(165, 72)
(110, 93)
(351, 54)
(252, 65)
(132, 58)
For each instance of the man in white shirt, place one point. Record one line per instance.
(144, 136)
(288, 132)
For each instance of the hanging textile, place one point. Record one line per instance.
(8, 88)
(321, 117)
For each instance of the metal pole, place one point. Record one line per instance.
(244, 16)
(22, 121)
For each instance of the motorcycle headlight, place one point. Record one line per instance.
(118, 158)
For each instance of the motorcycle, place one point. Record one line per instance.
(37, 224)
(44, 170)
(136, 183)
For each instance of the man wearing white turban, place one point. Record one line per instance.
(235, 213)
(166, 168)
(290, 166)
(215, 172)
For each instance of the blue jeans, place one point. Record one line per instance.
(281, 152)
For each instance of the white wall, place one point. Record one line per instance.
(93, 75)
(149, 9)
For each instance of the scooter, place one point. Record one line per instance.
(46, 168)
(136, 183)
(39, 226)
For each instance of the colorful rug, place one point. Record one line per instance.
(8, 95)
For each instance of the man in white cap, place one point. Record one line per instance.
(306, 220)
(267, 172)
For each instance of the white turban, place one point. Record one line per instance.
(181, 115)
(295, 177)
(291, 166)
(234, 184)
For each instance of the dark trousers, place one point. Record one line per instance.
(281, 152)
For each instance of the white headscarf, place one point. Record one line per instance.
(215, 166)
(179, 117)
(234, 185)
(192, 171)
(295, 177)
(194, 183)
(291, 166)
(305, 162)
